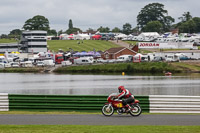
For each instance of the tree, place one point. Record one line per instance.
(127, 29)
(187, 27)
(136, 30)
(153, 26)
(16, 33)
(4, 36)
(168, 23)
(70, 24)
(116, 30)
(52, 32)
(197, 22)
(186, 16)
(72, 29)
(154, 12)
(60, 32)
(37, 23)
(103, 29)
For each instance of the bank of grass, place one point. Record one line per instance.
(131, 68)
(96, 129)
(49, 112)
(8, 41)
(21, 70)
(131, 42)
(85, 45)
(187, 66)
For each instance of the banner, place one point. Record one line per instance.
(148, 45)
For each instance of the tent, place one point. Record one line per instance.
(120, 36)
(91, 53)
(81, 37)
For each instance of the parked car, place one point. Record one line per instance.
(158, 59)
(28, 64)
(49, 63)
(84, 60)
(172, 58)
(14, 64)
(144, 59)
(100, 60)
(40, 64)
(125, 58)
(2, 65)
(7, 65)
(183, 57)
(66, 63)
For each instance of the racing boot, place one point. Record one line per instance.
(128, 108)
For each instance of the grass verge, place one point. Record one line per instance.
(21, 70)
(131, 68)
(45, 112)
(96, 129)
(187, 66)
(8, 41)
(86, 45)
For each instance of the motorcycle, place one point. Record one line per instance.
(115, 104)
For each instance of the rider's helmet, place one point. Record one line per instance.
(121, 88)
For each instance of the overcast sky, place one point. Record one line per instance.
(85, 13)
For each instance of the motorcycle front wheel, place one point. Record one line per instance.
(107, 110)
(137, 110)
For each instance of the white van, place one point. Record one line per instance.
(40, 64)
(172, 58)
(3, 59)
(66, 63)
(14, 64)
(28, 64)
(125, 58)
(49, 63)
(84, 60)
(2, 65)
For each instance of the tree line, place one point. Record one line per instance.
(152, 18)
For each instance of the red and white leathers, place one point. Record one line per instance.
(126, 97)
(125, 94)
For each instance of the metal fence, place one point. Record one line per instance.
(4, 102)
(64, 102)
(174, 104)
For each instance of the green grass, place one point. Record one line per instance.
(21, 70)
(47, 112)
(131, 68)
(187, 66)
(131, 42)
(96, 129)
(8, 41)
(87, 45)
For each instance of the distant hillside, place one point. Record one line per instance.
(7, 41)
(79, 45)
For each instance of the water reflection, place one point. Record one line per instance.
(15, 83)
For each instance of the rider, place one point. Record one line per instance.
(126, 97)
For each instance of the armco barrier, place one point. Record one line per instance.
(64, 102)
(4, 104)
(174, 104)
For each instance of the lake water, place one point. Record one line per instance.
(64, 84)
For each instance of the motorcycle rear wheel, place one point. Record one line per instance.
(137, 110)
(107, 110)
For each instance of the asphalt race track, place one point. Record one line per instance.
(98, 119)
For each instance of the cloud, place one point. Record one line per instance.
(85, 14)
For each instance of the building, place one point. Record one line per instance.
(10, 47)
(113, 53)
(33, 41)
